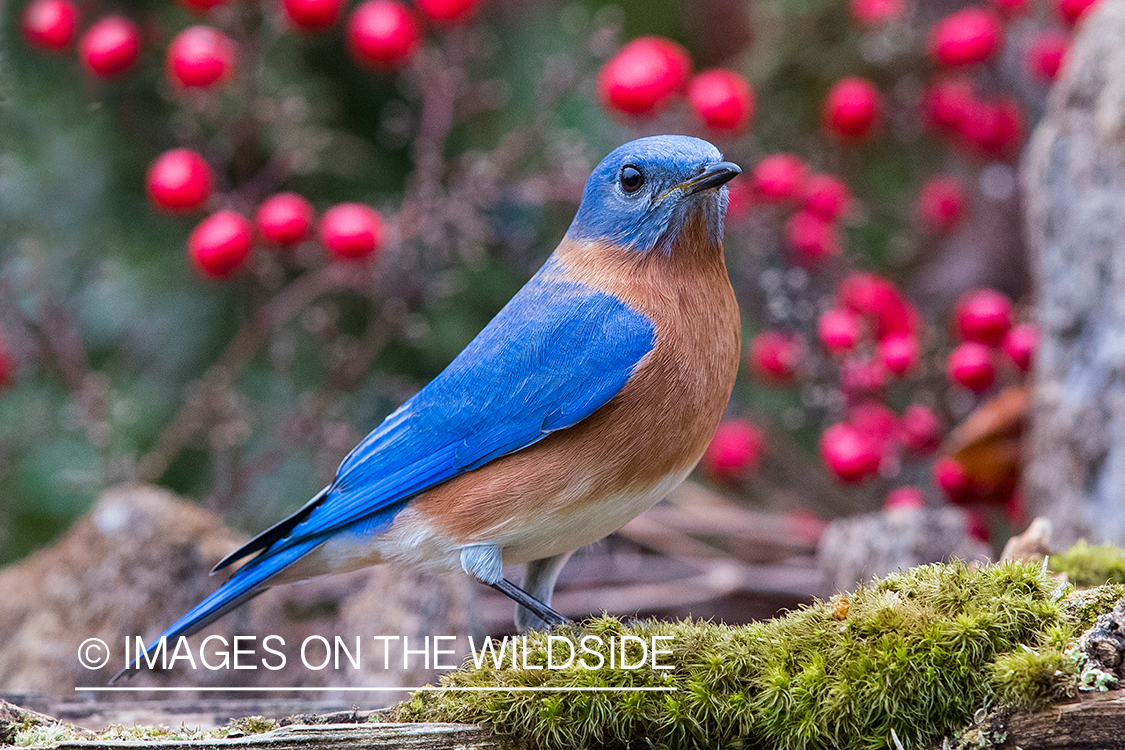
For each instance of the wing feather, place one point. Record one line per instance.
(556, 353)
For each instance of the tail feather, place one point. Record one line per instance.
(280, 530)
(247, 582)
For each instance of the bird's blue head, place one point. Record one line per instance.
(642, 194)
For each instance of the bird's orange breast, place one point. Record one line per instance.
(649, 436)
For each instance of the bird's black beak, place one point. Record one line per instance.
(712, 176)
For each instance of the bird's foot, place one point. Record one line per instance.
(549, 616)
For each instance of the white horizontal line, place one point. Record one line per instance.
(426, 688)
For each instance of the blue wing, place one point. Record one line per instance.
(556, 353)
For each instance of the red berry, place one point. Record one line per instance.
(1010, 8)
(970, 366)
(774, 356)
(352, 230)
(839, 330)
(869, 13)
(49, 25)
(312, 15)
(904, 498)
(877, 298)
(919, 429)
(852, 109)
(826, 196)
(7, 366)
(447, 12)
(779, 178)
(876, 422)
(951, 477)
(848, 453)
(721, 99)
(941, 204)
(735, 449)
(382, 34)
(642, 75)
(284, 219)
(1046, 53)
(946, 104)
(110, 46)
(1072, 11)
(220, 245)
(179, 181)
(898, 352)
(811, 238)
(201, 6)
(1020, 344)
(983, 315)
(199, 57)
(995, 128)
(969, 36)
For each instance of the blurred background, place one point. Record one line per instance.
(235, 235)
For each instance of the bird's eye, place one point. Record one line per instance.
(631, 179)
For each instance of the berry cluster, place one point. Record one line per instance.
(648, 73)
(872, 335)
(878, 386)
(379, 34)
(181, 181)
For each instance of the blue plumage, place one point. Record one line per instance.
(558, 351)
(552, 356)
(643, 221)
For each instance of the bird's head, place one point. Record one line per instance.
(645, 192)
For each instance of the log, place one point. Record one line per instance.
(324, 737)
(1095, 722)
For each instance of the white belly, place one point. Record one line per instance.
(413, 540)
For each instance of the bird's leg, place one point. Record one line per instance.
(549, 616)
(539, 581)
(485, 563)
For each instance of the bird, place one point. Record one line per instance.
(590, 395)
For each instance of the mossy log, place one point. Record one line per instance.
(322, 737)
(1094, 722)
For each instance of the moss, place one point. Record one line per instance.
(250, 725)
(1083, 607)
(1032, 678)
(915, 654)
(45, 735)
(144, 732)
(1088, 565)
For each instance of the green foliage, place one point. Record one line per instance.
(917, 653)
(1089, 565)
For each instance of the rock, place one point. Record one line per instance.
(13, 718)
(1033, 544)
(1104, 644)
(854, 549)
(1073, 177)
(140, 559)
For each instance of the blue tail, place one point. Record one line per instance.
(247, 582)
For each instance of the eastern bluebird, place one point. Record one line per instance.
(590, 396)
